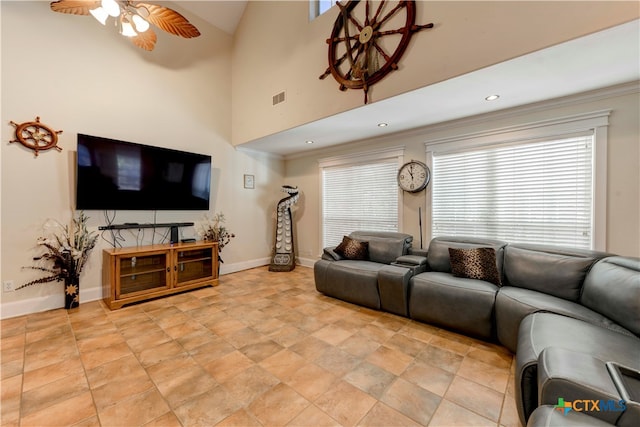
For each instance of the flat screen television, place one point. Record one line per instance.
(120, 175)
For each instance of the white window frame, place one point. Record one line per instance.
(393, 153)
(595, 121)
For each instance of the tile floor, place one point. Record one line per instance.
(260, 349)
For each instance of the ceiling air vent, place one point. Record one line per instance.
(278, 98)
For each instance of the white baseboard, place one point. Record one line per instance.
(51, 302)
(306, 262)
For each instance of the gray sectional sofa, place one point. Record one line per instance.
(572, 317)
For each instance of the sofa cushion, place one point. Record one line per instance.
(514, 304)
(465, 305)
(438, 255)
(542, 330)
(349, 280)
(476, 263)
(551, 270)
(384, 247)
(612, 288)
(353, 249)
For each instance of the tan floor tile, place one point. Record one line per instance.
(99, 356)
(207, 409)
(405, 344)
(475, 397)
(313, 416)
(185, 385)
(485, 374)
(332, 334)
(157, 354)
(10, 400)
(359, 346)
(239, 418)
(283, 364)
(382, 415)
(136, 410)
(48, 374)
(449, 414)
(127, 357)
(167, 369)
(278, 406)
(261, 350)
(411, 400)
(63, 413)
(228, 366)
(167, 420)
(311, 381)
(370, 378)
(46, 395)
(440, 358)
(392, 360)
(249, 384)
(345, 403)
(429, 377)
(336, 361)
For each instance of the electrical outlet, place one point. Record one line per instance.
(8, 286)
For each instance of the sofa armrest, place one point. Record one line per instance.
(418, 251)
(411, 260)
(331, 255)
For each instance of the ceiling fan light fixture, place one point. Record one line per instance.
(100, 14)
(140, 23)
(126, 29)
(111, 7)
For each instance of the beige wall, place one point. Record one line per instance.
(84, 78)
(286, 52)
(623, 168)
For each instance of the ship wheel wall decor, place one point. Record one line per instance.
(36, 136)
(367, 41)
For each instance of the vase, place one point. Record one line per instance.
(71, 292)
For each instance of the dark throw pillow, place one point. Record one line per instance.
(477, 263)
(353, 249)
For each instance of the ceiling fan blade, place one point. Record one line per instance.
(146, 40)
(74, 7)
(169, 20)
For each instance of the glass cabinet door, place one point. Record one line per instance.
(195, 264)
(139, 274)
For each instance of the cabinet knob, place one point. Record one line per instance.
(168, 269)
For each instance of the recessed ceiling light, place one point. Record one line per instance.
(382, 125)
(309, 142)
(492, 97)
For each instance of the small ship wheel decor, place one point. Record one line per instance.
(367, 41)
(36, 136)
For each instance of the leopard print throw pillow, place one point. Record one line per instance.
(478, 263)
(353, 249)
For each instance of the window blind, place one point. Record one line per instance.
(359, 197)
(534, 192)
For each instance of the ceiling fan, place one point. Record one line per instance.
(131, 18)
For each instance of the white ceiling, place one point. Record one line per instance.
(592, 62)
(224, 14)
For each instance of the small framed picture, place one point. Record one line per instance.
(249, 181)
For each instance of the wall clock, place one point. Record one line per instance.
(368, 40)
(36, 136)
(414, 176)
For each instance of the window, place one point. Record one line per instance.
(318, 7)
(359, 193)
(530, 190)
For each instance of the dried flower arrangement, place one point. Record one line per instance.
(68, 251)
(213, 229)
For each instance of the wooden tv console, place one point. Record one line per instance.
(143, 272)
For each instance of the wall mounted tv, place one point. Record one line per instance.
(119, 175)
